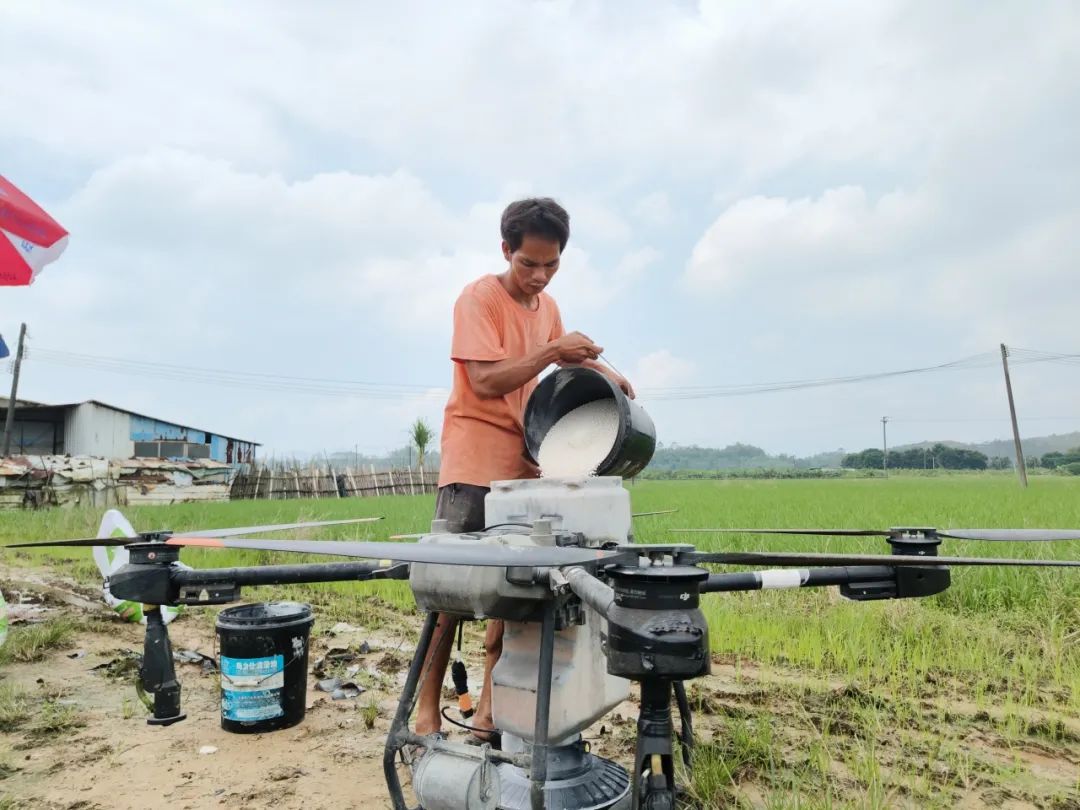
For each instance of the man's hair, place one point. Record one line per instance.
(536, 216)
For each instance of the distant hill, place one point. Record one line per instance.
(1035, 446)
(735, 456)
(749, 457)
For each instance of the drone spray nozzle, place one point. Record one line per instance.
(461, 686)
(461, 678)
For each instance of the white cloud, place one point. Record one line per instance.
(381, 247)
(601, 223)
(654, 209)
(719, 86)
(907, 257)
(633, 265)
(776, 240)
(662, 369)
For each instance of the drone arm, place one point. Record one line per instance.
(590, 590)
(794, 578)
(859, 582)
(193, 586)
(166, 582)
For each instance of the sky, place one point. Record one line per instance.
(758, 192)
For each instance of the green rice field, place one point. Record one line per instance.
(966, 699)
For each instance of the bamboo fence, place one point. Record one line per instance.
(286, 482)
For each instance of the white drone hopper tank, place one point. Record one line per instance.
(581, 692)
(599, 508)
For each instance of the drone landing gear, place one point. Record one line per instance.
(654, 764)
(158, 675)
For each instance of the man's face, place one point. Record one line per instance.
(533, 265)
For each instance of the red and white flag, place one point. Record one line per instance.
(29, 238)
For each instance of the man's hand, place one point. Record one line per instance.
(575, 348)
(624, 384)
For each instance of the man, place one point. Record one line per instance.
(506, 331)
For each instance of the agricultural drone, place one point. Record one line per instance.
(587, 611)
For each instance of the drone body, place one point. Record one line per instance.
(544, 513)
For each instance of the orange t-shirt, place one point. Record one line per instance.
(483, 440)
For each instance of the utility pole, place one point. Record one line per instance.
(1021, 467)
(884, 447)
(14, 392)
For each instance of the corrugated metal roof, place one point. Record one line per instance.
(20, 403)
(23, 403)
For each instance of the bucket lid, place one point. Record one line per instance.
(262, 614)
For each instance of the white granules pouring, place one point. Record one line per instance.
(579, 442)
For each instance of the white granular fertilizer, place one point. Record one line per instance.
(579, 442)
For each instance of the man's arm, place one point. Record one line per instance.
(495, 379)
(492, 379)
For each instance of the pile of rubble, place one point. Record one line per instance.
(36, 481)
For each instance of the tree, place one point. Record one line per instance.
(1056, 459)
(421, 437)
(940, 456)
(869, 459)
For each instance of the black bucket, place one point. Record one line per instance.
(264, 652)
(570, 388)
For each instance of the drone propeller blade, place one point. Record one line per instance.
(798, 559)
(83, 541)
(826, 532)
(650, 514)
(239, 531)
(497, 556)
(232, 532)
(1011, 535)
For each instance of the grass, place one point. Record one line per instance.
(54, 718)
(33, 642)
(370, 712)
(15, 707)
(879, 700)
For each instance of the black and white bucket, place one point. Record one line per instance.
(263, 650)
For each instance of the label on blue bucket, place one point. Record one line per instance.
(251, 688)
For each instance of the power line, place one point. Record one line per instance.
(984, 360)
(364, 389)
(993, 419)
(238, 379)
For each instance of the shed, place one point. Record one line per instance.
(94, 428)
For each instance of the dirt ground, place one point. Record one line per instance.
(118, 761)
(113, 759)
(106, 756)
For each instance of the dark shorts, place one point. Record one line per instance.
(462, 507)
